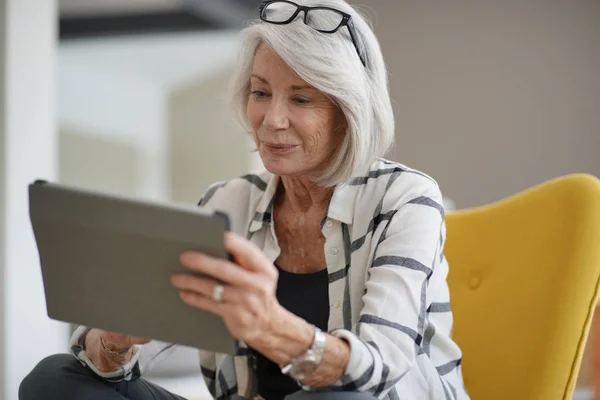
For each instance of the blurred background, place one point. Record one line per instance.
(128, 97)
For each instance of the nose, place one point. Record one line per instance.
(276, 116)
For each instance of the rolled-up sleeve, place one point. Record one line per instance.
(388, 337)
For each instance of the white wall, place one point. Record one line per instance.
(114, 97)
(2, 190)
(29, 152)
(123, 112)
(167, 60)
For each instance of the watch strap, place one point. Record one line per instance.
(315, 351)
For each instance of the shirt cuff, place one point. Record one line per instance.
(125, 372)
(361, 357)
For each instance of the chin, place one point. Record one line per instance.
(280, 167)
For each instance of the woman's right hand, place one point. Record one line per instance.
(107, 361)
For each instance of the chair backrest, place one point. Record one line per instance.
(524, 279)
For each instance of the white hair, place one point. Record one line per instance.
(329, 63)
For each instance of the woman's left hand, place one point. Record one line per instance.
(247, 304)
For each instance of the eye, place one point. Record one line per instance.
(258, 94)
(301, 100)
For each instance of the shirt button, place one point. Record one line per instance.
(337, 304)
(334, 251)
(329, 223)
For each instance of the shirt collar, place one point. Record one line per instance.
(341, 206)
(263, 213)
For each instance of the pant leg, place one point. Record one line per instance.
(141, 389)
(330, 396)
(62, 376)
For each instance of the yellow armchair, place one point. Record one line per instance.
(524, 280)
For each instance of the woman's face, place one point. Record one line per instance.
(296, 127)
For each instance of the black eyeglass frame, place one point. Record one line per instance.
(346, 21)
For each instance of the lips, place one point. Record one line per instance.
(279, 148)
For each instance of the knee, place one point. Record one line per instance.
(48, 374)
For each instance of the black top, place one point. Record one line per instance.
(307, 296)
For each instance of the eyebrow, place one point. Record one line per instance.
(293, 87)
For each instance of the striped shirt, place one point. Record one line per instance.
(388, 296)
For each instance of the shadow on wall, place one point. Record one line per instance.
(93, 162)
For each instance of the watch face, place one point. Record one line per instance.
(304, 368)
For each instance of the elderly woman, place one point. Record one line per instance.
(337, 288)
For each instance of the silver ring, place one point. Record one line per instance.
(218, 293)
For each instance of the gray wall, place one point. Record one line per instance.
(3, 156)
(493, 96)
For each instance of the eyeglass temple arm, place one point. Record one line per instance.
(352, 31)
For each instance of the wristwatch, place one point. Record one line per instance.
(305, 365)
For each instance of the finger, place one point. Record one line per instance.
(218, 269)
(247, 255)
(206, 288)
(203, 303)
(202, 286)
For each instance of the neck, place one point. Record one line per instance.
(302, 194)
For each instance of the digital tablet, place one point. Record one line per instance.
(106, 263)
